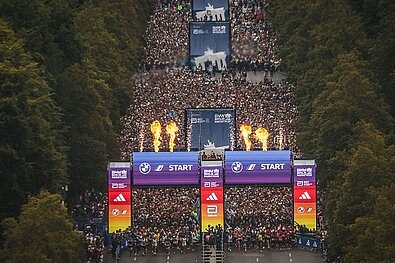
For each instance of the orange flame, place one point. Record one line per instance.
(156, 130)
(171, 130)
(262, 135)
(246, 130)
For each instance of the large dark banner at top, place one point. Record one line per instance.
(209, 128)
(209, 45)
(210, 10)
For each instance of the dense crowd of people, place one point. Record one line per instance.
(258, 217)
(167, 219)
(164, 95)
(167, 87)
(253, 39)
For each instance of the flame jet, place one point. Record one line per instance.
(246, 130)
(156, 130)
(171, 130)
(262, 135)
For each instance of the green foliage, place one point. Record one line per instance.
(47, 27)
(87, 51)
(375, 233)
(32, 150)
(348, 98)
(42, 233)
(340, 55)
(369, 166)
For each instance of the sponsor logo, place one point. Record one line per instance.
(309, 210)
(123, 174)
(237, 167)
(199, 31)
(212, 197)
(304, 183)
(219, 29)
(145, 168)
(251, 167)
(304, 172)
(223, 118)
(305, 196)
(211, 173)
(120, 198)
(212, 211)
(300, 209)
(116, 212)
(272, 166)
(199, 120)
(159, 168)
(210, 184)
(118, 185)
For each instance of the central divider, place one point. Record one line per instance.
(212, 210)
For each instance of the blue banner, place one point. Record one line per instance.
(308, 242)
(210, 128)
(165, 168)
(257, 167)
(209, 45)
(210, 10)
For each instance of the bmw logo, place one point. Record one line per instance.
(237, 167)
(115, 212)
(145, 168)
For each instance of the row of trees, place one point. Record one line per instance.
(340, 55)
(65, 66)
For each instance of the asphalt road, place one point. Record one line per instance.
(267, 256)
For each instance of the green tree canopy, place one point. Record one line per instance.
(42, 233)
(32, 149)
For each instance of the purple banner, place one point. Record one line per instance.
(258, 167)
(165, 168)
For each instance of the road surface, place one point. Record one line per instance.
(267, 256)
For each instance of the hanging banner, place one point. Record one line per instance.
(257, 167)
(165, 168)
(210, 10)
(211, 197)
(210, 128)
(119, 196)
(209, 45)
(305, 196)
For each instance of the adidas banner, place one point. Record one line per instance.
(211, 197)
(308, 242)
(119, 196)
(305, 195)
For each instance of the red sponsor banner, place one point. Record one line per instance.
(211, 197)
(119, 197)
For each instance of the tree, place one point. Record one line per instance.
(43, 233)
(369, 166)
(375, 232)
(32, 149)
(348, 98)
